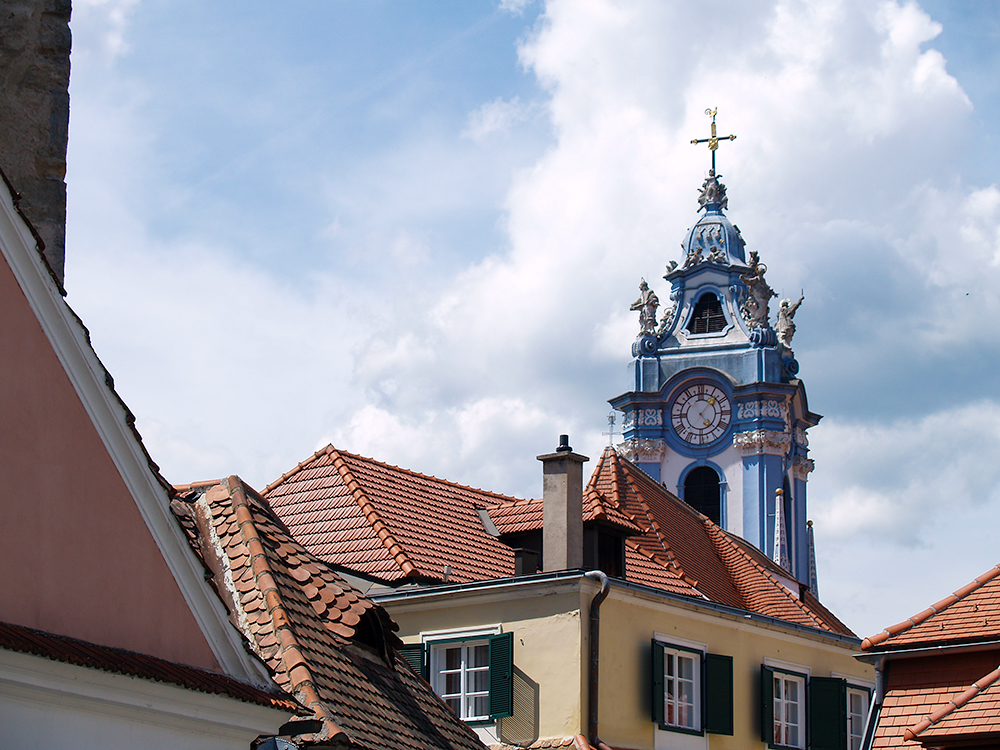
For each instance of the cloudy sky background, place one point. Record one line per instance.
(414, 230)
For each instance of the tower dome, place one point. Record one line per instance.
(714, 239)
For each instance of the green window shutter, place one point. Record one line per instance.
(718, 693)
(827, 713)
(658, 683)
(501, 675)
(416, 655)
(767, 705)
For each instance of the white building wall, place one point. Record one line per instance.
(48, 705)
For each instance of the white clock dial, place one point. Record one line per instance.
(700, 414)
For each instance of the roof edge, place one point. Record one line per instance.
(682, 600)
(299, 672)
(115, 426)
(76, 652)
(381, 529)
(953, 705)
(934, 609)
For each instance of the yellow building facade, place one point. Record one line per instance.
(548, 616)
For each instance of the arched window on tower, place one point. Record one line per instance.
(707, 316)
(703, 492)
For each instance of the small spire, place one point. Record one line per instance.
(780, 554)
(813, 583)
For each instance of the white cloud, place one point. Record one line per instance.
(890, 480)
(495, 117)
(514, 7)
(105, 21)
(367, 307)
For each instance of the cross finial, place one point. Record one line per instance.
(611, 428)
(713, 141)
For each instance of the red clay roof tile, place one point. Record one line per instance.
(919, 688)
(118, 661)
(971, 613)
(391, 524)
(339, 662)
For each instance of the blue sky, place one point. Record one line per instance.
(414, 230)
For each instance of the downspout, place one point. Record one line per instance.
(595, 653)
(875, 709)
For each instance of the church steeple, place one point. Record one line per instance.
(715, 410)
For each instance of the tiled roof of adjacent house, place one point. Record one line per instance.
(513, 516)
(119, 661)
(972, 613)
(719, 565)
(388, 523)
(578, 742)
(396, 525)
(975, 711)
(324, 643)
(939, 697)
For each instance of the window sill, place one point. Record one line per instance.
(681, 730)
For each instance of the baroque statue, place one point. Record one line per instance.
(785, 327)
(756, 307)
(646, 305)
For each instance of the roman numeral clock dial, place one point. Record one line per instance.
(700, 414)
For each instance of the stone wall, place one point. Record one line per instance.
(34, 114)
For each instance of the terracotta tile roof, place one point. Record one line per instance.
(974, 711)
(324, 643)
(118, 661)
(578, 742)
(970, 614)
(389, 523)
(925, 690)
(720, 566)
(513, 515)
(392, 524)
(516, 516)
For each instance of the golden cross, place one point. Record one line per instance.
(713, 142)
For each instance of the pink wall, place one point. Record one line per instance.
(75, 555)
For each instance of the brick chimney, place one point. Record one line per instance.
(34, 113)
(562, 493)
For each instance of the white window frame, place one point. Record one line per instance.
(782, 724)
(466, 696)
(437, 641)
(685, 649)
(855, 738)
(672, 655)
(865, 689)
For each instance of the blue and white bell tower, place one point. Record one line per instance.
(715, 409)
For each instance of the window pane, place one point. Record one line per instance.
(453, 684)
(793, 735)
(453, 658)
(686, 667)
(479, 681)
(792, 693)
(480, 706)
(479, 656)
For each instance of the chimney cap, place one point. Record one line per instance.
(563, 452)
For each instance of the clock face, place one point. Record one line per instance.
(700, 414)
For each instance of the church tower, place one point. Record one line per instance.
(716, 411)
